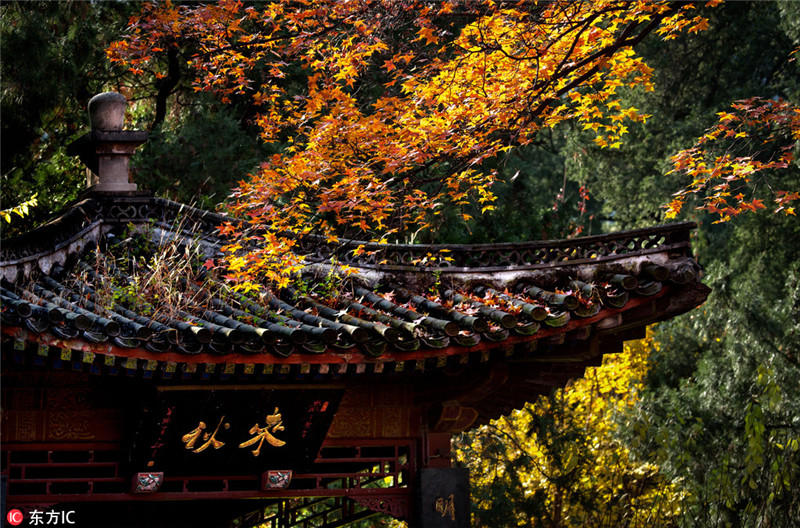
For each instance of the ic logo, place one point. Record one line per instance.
(14, 517)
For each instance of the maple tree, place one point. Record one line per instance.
(755, 139)
(387, 111)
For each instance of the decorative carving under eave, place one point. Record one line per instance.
(454, 418)
(396, 505)
(452, 409)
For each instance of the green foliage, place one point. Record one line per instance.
(719, 410)
(53, 62)
(197, 155)
(537, 198)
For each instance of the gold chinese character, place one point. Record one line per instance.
(210, 439)
(446, 507)
(191, 437)
(274, 423)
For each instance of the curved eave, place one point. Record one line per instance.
(46, 350)
(27, 262)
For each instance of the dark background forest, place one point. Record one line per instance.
(718, 412)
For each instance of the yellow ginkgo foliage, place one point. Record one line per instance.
(559, 463)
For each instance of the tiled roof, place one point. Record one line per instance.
(487, 298)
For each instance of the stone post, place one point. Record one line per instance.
(107, 149)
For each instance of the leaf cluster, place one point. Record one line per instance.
(403, 107)
(559, 462)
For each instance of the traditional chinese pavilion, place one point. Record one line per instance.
(284, 409)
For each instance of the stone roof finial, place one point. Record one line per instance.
(107, 111)
(107, 149)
